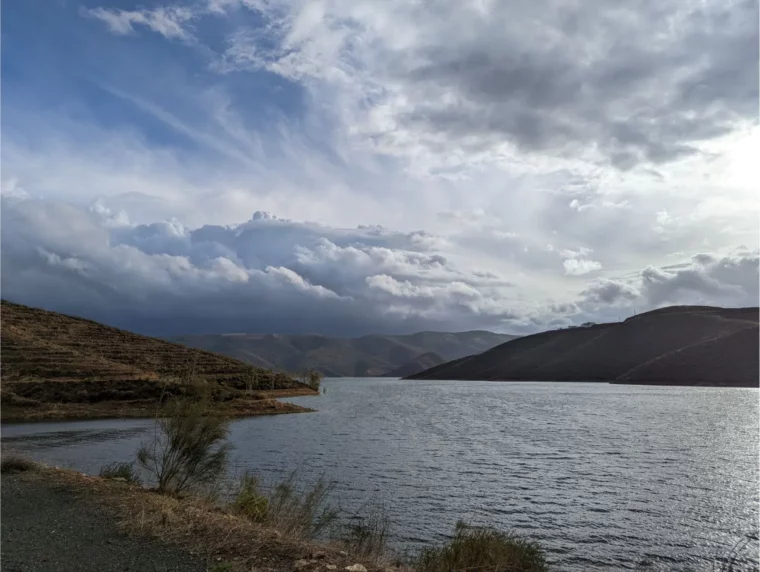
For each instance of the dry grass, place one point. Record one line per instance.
(12, 463)
(201, 527)
(121, 471)
(482, 550)
(292, 507)
(64, 367)
(367, 533)
(242, 407)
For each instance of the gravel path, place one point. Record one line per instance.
(47, 527)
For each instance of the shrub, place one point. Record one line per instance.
(312, 378)
(293, 509)
(482, 550)
(15, 464)
(189, 447)
(301, 511)
(367, 536)
(252, 381)
(249, 501)
(125, 471)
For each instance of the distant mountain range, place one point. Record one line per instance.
(679, 345)
(372, 355)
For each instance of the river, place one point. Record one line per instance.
(605, 477)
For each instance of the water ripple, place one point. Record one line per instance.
(605, 477)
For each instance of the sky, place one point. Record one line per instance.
(347, 167)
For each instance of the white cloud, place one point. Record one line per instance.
(271, 274)
(171, 21)
(580, 266)
(480, 133)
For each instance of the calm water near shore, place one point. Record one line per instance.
(606, 477)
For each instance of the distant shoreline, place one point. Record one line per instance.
(263, 403)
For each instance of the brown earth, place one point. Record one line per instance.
(55, 365)
(679, 345)
(58, 519)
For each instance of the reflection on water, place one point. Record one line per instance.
(606, 477)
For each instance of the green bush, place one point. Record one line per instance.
(124, 471)
(482, 550)
(249, 501)
(292, 508)
(189, 447)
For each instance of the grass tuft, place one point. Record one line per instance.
(12, 463)
(482, 550)
(367, 534)
(296, 510)
(125, 471)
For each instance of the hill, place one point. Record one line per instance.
(417, 365)
(372, 355)
(55, 365)
(679, 345)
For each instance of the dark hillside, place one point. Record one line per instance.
(418, 364)
(372, 355)
(680, 345)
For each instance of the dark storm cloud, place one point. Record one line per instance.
(265, 275)
(636, 82)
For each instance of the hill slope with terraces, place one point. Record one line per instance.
(83, 368)
(679, 345)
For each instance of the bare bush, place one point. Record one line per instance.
(189, 447)
(367, 534)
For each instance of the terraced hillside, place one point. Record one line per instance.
(50, 359)
(679, 345)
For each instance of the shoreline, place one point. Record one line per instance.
(189, 526)
(259, 403)
(613, 382)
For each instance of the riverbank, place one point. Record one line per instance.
(256, 403)
(58, 519)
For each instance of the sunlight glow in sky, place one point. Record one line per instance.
(354, 166)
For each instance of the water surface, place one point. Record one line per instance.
(606, 477)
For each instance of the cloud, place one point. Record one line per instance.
(266, 274)
(614, 84)
(276, 275)
(580, 266)
(170, 21)
(609, 84)
(513, 166)
(707, 279)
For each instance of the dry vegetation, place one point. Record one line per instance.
(222, 535)
(57, 366)
(483, 550)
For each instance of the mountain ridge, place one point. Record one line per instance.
(676, 345)
(368, 355)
